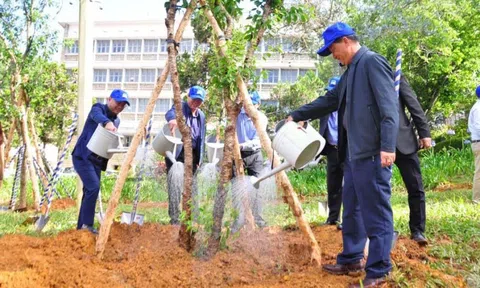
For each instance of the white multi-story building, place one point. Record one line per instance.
(130, 55)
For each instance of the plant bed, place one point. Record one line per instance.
(149, 256)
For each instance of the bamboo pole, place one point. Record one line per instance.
(113, 203)
(282, 178)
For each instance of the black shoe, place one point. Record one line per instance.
(419, 238)
(329, 222)
(339, 227)
(90, 228)
(344, 269)
(261, 224)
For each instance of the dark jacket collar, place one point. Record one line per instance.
(358, 55)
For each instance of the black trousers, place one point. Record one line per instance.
(409, 166)
(334, 183)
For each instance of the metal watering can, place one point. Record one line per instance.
(164, 142)
(297, 144)
(105, 143)
(214, 149)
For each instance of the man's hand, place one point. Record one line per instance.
(425, 143)
(289, 118)
(387, 158)
(172, 124)
(110, 127)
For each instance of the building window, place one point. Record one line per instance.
(134, 46)
(271, 44)
(103, 46)
(116, 75)
(72, 49)
(100, 100)
(131, 75)
(142, 104)
(148, 75)
(302, 72)
(118, 46)
(99, 75)
(133, 105)
(160, 73)
(69, 72)
(163, 45)
(288, 75)
(272, 76)
(186, 46)
(287, 45)
(162, 105)
(150, 46)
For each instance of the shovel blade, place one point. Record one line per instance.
(41, 222)
(127, 218)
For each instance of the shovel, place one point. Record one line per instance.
(100, 215)
(42, 222)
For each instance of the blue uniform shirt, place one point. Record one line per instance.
(245, 129)
(332, 131)
(99, 114)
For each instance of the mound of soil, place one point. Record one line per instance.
(149, 256)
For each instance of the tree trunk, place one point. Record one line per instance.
(282, 178)
(117, 190)
(225, 176)
(2, 155)
(186, 238)
(38, 153)
(28, 151)
(22, 203)
(9, 140)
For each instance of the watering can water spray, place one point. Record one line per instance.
(297, 144)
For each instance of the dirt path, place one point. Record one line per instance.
(149, 256)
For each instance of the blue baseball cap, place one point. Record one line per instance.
(478, 91)
(255, 98)
(197, 92)
(332, 82)
(120, 96)
(331, 34)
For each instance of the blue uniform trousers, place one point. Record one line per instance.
(90, 175)
(367, 212)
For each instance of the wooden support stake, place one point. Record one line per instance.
(113, 203)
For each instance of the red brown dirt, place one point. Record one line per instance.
(149, 256)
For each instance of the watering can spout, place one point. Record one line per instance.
(256, 181)
(170, 156)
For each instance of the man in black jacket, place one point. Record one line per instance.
(367, 134)
(329, 131)
(407, 158)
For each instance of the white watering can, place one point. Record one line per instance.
(164, 142)
(214, 149)
(105, 143)
(298, 145)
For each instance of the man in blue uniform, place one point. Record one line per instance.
(89, 165)
(251, 152)
(195, 119)
(329, 131)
